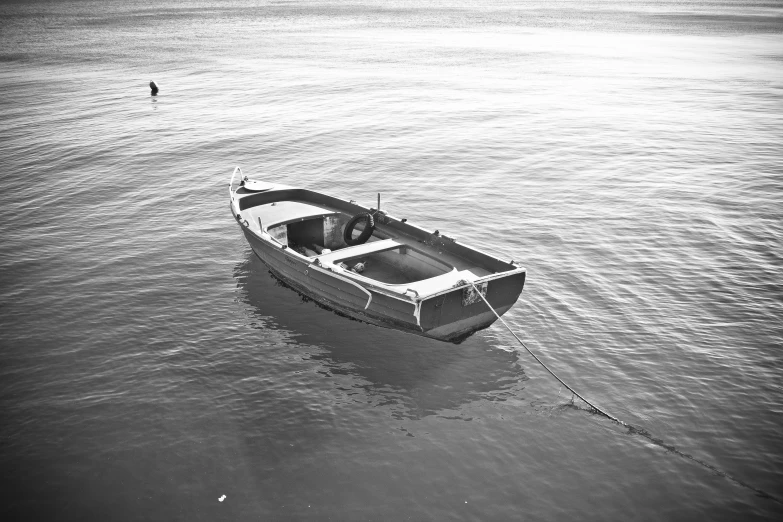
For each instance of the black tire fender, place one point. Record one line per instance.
(369, 227)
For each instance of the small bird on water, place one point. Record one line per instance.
(154, 88)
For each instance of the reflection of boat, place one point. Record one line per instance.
(372, 266)
(409, 377)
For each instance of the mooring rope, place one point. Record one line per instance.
(631, 429)
(595, 408)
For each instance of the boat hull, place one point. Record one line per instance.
(444, 316)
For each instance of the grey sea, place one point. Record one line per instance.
(628, 154)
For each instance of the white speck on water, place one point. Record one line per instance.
(222, 498)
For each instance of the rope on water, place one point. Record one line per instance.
(594, 408)
(632, 429)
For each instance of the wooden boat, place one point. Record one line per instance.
(371, 266)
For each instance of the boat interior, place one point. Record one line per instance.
(396, 253)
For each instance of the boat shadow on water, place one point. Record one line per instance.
(413, 376)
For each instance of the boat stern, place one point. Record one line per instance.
(454, 315)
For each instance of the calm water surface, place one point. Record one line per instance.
(626, 153)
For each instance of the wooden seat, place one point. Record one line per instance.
(359, 250)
